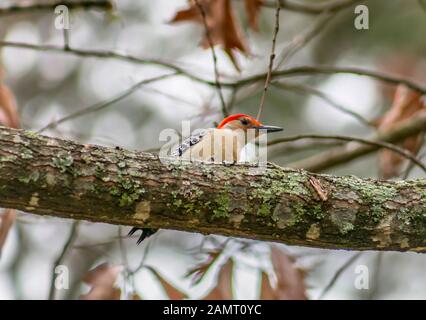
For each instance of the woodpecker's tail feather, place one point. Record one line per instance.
(146, 232)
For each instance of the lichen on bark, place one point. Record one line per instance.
(57, 177)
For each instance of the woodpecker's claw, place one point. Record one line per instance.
(146, 232)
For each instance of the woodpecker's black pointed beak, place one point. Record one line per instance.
(269, 128)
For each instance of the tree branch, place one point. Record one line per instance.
(312, 7)
(349, 152)
(49, 176)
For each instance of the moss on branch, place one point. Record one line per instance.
(50, 176)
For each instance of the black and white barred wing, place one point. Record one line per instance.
(188, 143)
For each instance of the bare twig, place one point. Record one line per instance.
(103, 54)
(50, 6)
(349, 152)
(104, 104)
(338, 273)
(293, 147)
(305, 89)
(295, 71)
(65, 250)
(375, 143)
(271, 59)
(411, 166)
(312, 7)
(308, 70)
(216, 69)
(66, 35)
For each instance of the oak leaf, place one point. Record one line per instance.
(102, 280)
(223, 287)
(222, 24)
(6, 222)
(406, 105)
(9, 116)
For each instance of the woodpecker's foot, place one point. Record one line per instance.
(228, 163)
(146, 232)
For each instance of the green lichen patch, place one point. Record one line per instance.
(343, 217)
(272, 185)
(28, 178)
(30, 134)
(64, 163)
(127, 191)
(26, 153)
(8, 158)
(221, 206)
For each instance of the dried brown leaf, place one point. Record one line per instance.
(172, 291)
(223, 288)
(102, 280)
(9, 116)
(222, 24)
(6, 222)
(200, 270)
(406, 105)
(290, 280)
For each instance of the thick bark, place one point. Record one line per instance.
(49, 176)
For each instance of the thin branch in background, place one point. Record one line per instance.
(338, 273)
(378, 144)
(66, 35)
(312, 7)
(295, 71)
(104, 54)
(216, 69)
(411, 166)
(349, 152)
(65, 250)
(172, 97)
(300, 41)
(322, 69)
(374, 286)
(125, 262)
(271, 59)
(294, 147)
(50, 6)
(104, 104)
(304, 89)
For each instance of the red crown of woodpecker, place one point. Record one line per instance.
(236, 117)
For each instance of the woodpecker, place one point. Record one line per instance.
(219, 145)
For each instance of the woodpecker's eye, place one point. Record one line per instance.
(245, 121)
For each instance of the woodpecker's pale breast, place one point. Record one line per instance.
(212, 145)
